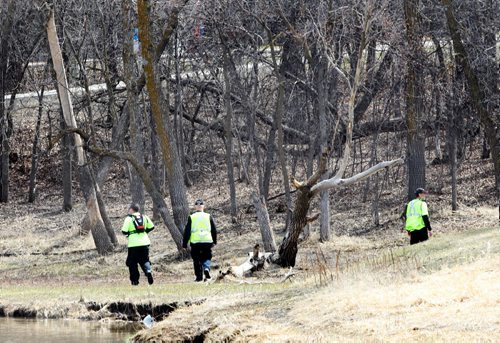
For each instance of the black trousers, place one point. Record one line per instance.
(201, 254)
(418, 236)
(138, 256)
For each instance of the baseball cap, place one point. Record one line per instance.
(420, 191)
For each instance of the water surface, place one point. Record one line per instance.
(16, 330)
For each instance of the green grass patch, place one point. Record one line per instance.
(438, 252)
(174, 292)
(454, 248)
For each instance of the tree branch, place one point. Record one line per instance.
(336, 182)
(323, 163)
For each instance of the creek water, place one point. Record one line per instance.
(16, 330)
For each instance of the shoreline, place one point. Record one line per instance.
(119, 311)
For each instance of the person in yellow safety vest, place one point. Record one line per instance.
(416, 217)
(201, 234)
(136, 227)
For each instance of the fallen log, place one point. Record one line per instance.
(256, 260)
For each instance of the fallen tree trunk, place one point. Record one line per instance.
(256, 260)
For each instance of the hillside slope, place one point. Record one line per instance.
(447, 289)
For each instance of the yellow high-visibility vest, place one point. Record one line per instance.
(415, 210)
(137, 239)
(200, 228)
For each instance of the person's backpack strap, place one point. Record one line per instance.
(138, 221)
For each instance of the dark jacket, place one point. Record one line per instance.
(187, 232)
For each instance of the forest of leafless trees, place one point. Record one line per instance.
(283, 89)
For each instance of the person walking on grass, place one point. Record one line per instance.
(201, 234)
(136, 227)
(416, 216)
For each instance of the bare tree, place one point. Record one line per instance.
(264, 223)
(170, 152)
(414, 94)
(136, 119)
(95, 222)
(32, 191)
(307, 190)
(488, 120)
(5, 40)
(228, 132)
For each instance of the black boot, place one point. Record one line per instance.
(150, 278)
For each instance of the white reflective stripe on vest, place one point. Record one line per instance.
(412, 211)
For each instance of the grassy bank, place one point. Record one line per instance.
(358, 286)
(445, 289)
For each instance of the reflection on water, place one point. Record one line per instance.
(15, 330)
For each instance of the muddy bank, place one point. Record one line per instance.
(95, 311)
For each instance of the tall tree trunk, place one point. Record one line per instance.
(108, 225)
(289, 247)
(32, 191)
(94, 220)
(376, 201)
(269, 161)
(278, 123)
(178, 113)
(281, 149)
(455, 110)
(437, 127)
(136, 143)
(414, 103)
(170, 154)
(324, 219)
(4, 124)
(67, 168)
(309, 172)
(263, 218)
(490, 66)
(256, 148)
(4, 156)
(136, 119)
(228, 134)
(156, 168)
(453, 163)
(488, 120)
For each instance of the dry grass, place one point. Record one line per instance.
(456, 304)
(447, 289)
(450, 293)
(360, 289)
